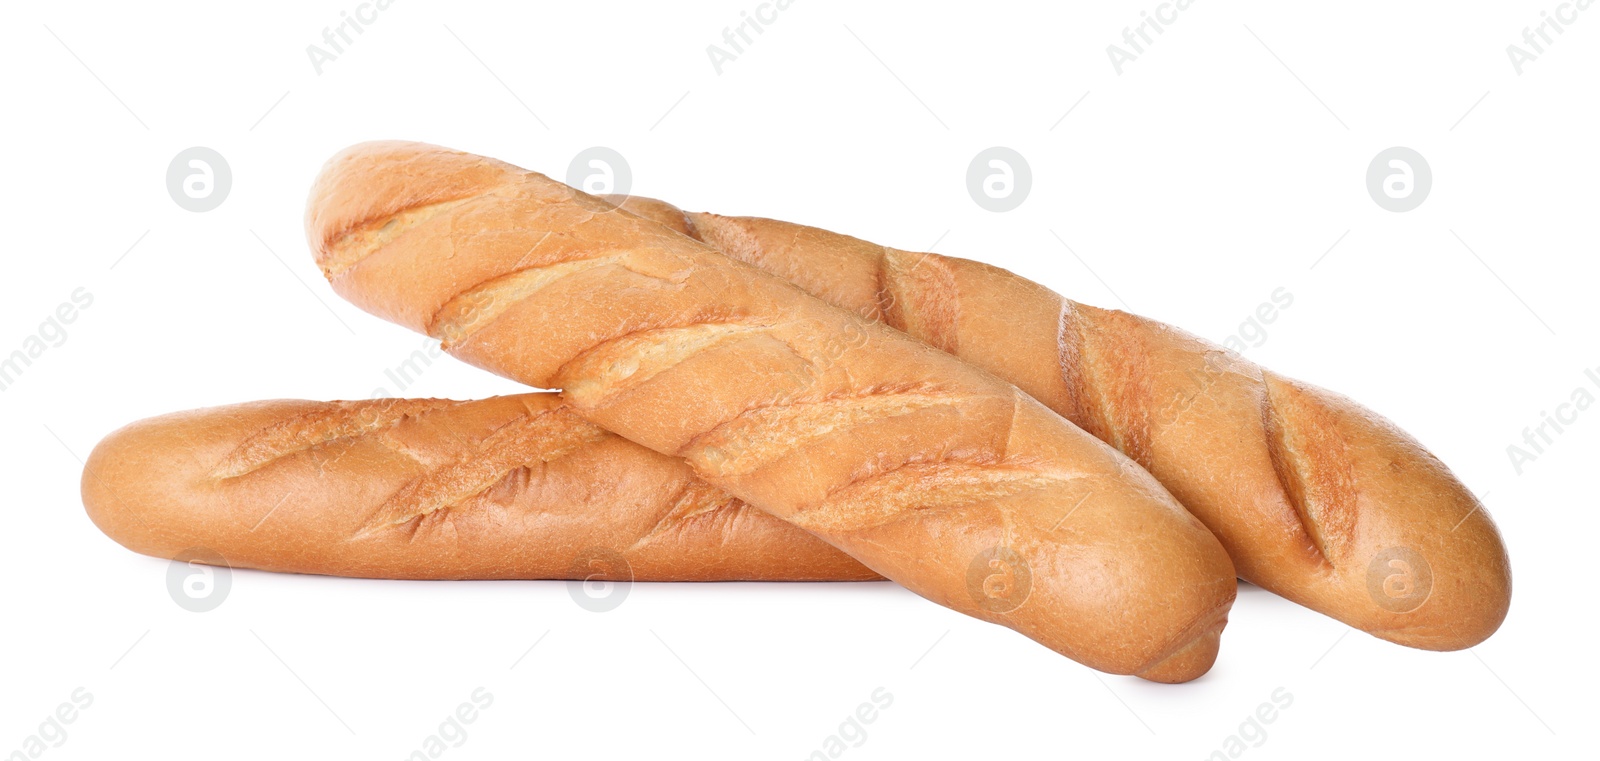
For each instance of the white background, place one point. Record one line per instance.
(1190, 186)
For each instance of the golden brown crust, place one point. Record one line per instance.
(1312, 495)
(501, 488)
(783, 401)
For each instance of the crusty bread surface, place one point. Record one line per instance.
(513, 487)
(926, 469)
(1315, 497)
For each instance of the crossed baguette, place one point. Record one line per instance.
(918, 466)
(910, 461)
(1315, 497)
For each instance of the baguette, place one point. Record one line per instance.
(1316, 498)
(501, 488)
(929, 471)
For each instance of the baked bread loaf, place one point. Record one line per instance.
(928, 470)
(513, 487)
(1315, 497)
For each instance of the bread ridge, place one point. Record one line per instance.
(499, 488)
(1309, 492)
(1127, 583)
